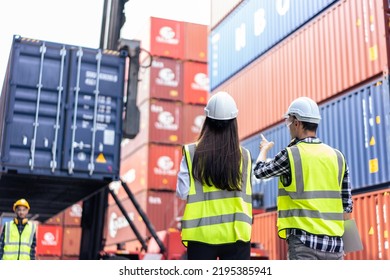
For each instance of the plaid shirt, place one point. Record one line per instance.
(279, 166)
(20, 228)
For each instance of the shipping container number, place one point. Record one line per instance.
(239, 270)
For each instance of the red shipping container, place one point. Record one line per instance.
(49, 240)
(72, 241)
(73, 214)
(162, 80)
(193, 118)
(195, 83)
(161, 123)
(195, 43)
(117, 229)
(56, 220)
(163, 37)
(321, 60)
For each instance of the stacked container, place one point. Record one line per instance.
(172, 92)
(60, 236)
(267, 53)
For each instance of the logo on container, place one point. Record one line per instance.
(76, 210)
(167, 36)
(49, 239)
(201, 82)
(240, 37)
(198, 123)
(259, 22)
(165, 166)
(154, 200)
(165, 119)
(166, 77)
(116, 223)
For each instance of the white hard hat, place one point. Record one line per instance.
(305, 110)
(221, 106)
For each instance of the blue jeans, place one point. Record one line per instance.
(299, 251)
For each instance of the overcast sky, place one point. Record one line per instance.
(78, 22)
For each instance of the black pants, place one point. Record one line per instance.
(234, 251)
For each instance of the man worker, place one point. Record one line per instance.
(314, 192)
(18, 238)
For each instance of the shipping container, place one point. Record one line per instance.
(195, 43)
(252, 29)
(71, 241)
(49, 240)
(61, 111)
(343, 47)
(371, 213)
(195, 83)
(73, 214)
(117, 229)
(162, 80)
(57, 220)
(219, 9)
(360, 116)
(174, 39)
(265, 232)
(161, 123)
(192, 121)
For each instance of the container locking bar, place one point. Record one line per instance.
(36, 121)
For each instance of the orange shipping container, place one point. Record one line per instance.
(72, 240)
(56, 220)
(341, 48)
(49, 240)
(372, 214)
(195, 83)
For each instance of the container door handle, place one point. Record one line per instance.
(74, 125)
(91, 165)
(36, 121)
(60, 88)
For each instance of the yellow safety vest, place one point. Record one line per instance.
(312, 202)
(18, 246)
(215, 216)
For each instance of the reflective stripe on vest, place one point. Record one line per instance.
(16, 245)
(312, 202)
(204, 203)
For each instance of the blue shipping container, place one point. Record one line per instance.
(253, 28)
(61, 117)
(357, 123)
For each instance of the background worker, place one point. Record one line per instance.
(18, 238)
(314, 193)
(215, 179)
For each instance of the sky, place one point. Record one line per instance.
(78, 22)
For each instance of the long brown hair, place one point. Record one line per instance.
(217, 156)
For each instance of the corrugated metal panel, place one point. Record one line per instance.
(357, 124)
(220, 9)
(252, 29)
(195, 82)
(162, 80)
(193, 118)
(372, 215)
(72, 241)
(56, 220)
(264, 231)
(343, 47)
(195, 44)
